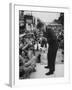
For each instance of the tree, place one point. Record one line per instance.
(60, 20)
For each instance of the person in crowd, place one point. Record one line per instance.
(27, 59)
(44, 42)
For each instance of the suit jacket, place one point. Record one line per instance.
(51, 36)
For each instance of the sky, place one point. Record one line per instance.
(45, 16)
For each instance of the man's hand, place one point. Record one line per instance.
(45, 38)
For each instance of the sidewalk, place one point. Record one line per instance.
(40, 71)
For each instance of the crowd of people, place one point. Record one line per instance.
(29, 44)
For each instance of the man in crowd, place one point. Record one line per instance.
(52, 50)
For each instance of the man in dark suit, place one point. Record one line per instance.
(52, 50)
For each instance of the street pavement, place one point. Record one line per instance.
(40, 71)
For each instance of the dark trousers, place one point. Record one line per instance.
(51, 56)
